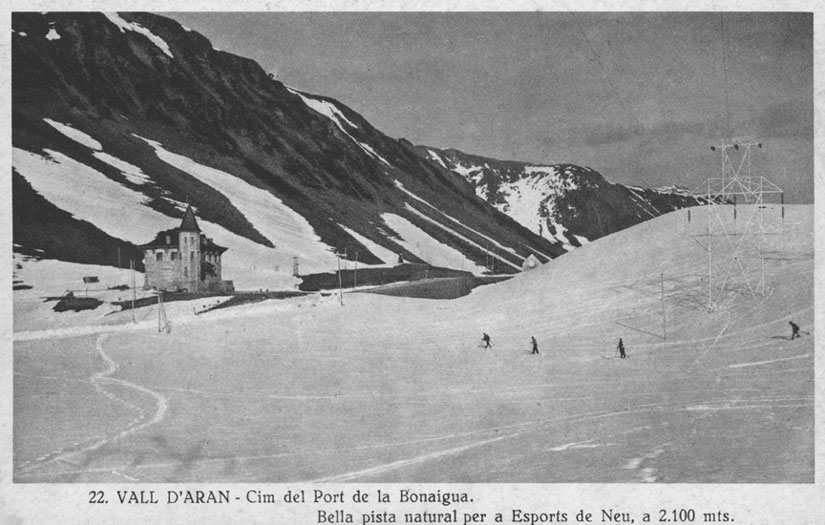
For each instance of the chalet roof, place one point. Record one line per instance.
(206, 243)
(160, 239)
(189, 224)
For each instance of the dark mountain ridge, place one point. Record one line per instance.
(574, 202)
(122, 78)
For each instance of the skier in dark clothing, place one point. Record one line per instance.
(486, 340)
(535, 345)
(621, 349)
(794, 331)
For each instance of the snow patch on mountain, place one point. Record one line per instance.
(370, 151)
(137, 28)
(547, 170)
(134, 174)
(75, 134)
(642, 202)
(388, 256)
(523, 201)
(400, 186)
(462, 237)
(52, 34)
(68, 184)
(89, 195)
(559, 235)
(285, 228)
(436, 158)
(329, 110)
(326, 109)
(417, 241)
(466, 171)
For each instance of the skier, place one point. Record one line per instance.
(535, 345)
(620, 348)
(794, 331)
(486, 340)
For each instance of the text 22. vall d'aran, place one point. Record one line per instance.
(173, 496)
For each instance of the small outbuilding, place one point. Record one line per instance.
(530, 263)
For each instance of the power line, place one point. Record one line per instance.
(725, 71)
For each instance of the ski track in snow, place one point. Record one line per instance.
(759, 363)
(402, 463)
(98, 380)
(647, 474)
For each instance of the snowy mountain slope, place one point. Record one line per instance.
(567, 204)
(134, 112)
(720, 396)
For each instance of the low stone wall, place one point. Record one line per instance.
(445, 288)
(216, 286)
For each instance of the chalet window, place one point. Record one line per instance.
(191, 256)
(174, 256)
(168, 239)
(160, 256)
(185, 272)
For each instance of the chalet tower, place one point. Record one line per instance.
(183, 258)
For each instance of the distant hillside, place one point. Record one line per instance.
(565, 203)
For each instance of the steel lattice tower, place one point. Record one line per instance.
(735, 247)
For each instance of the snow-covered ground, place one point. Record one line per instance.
(387, 389)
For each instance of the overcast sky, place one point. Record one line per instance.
(639, 97)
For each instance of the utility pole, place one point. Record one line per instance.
(664, 319)
(355, 275)
(134, 289)
(340, 284)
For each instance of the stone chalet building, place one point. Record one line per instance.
(183, 258)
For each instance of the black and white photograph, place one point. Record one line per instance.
(435, 249)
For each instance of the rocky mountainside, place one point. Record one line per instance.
(562, 202)
(143, 103)
(121, 120)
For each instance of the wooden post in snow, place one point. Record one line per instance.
(664, 318)
(340, 284)
(134, 290)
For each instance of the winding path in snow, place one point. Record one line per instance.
(99, 380)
